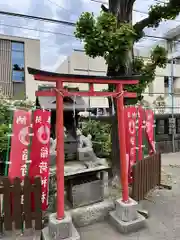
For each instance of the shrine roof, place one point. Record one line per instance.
(39, 72)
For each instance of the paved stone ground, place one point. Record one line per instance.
(163, 206)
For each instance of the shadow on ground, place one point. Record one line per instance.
(163, 223)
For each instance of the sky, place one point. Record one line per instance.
(57, 40)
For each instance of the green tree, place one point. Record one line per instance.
(112, 35)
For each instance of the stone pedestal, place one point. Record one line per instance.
(126, 218)
(60, 229)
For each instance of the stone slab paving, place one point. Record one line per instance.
(164, 209)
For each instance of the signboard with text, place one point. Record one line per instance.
(130, 119)
(40, 151)
(20, 140)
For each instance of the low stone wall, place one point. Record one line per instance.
(167, 147)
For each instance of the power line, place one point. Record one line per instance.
(135, 10)
(47, 31)
(59, 6)
(51, 20)
(37, 18)
(101, 2)
(60, 33)
(56, 21)
(38, 30)
(51, 32)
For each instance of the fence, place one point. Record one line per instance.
(164, 132)
(20, 205)
(146, 176)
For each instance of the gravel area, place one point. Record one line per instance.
(162, 205)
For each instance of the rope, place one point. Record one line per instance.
(74, 106)
(113, 108)
(120, 94)
(60, 92)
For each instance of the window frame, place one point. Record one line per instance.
(23, 54)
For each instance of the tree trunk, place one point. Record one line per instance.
(123, 11)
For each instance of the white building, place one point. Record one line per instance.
(79, 63)
(16, 54)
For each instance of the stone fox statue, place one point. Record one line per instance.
(85, 152)
(53, 143)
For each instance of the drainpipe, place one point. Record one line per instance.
(171, 93)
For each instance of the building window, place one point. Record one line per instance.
(17, 62)
(18, 76)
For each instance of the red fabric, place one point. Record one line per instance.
(40, 151)
(150, 129)
(140, 132)
(130, 120)
(19, 144)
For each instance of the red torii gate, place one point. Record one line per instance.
(60, 92)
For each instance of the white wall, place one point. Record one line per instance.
(32, 59)
(79, 63)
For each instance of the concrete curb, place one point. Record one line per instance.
(97, 212)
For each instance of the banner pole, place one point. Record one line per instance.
(30, 140)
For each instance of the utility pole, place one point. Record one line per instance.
(171, 95)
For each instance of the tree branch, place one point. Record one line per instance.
(158, 13)
(105, 9)
(130, 4)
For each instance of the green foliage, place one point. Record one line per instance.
(6, 111)
(4, 130)
(160, 12)
(101, 136)
(104, 37)
(147, 71)
(157, 13)
(108, 37)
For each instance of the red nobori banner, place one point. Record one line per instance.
(140, 132)
(40, 151)
(130, 120)
(150, 129)
(19, 144)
